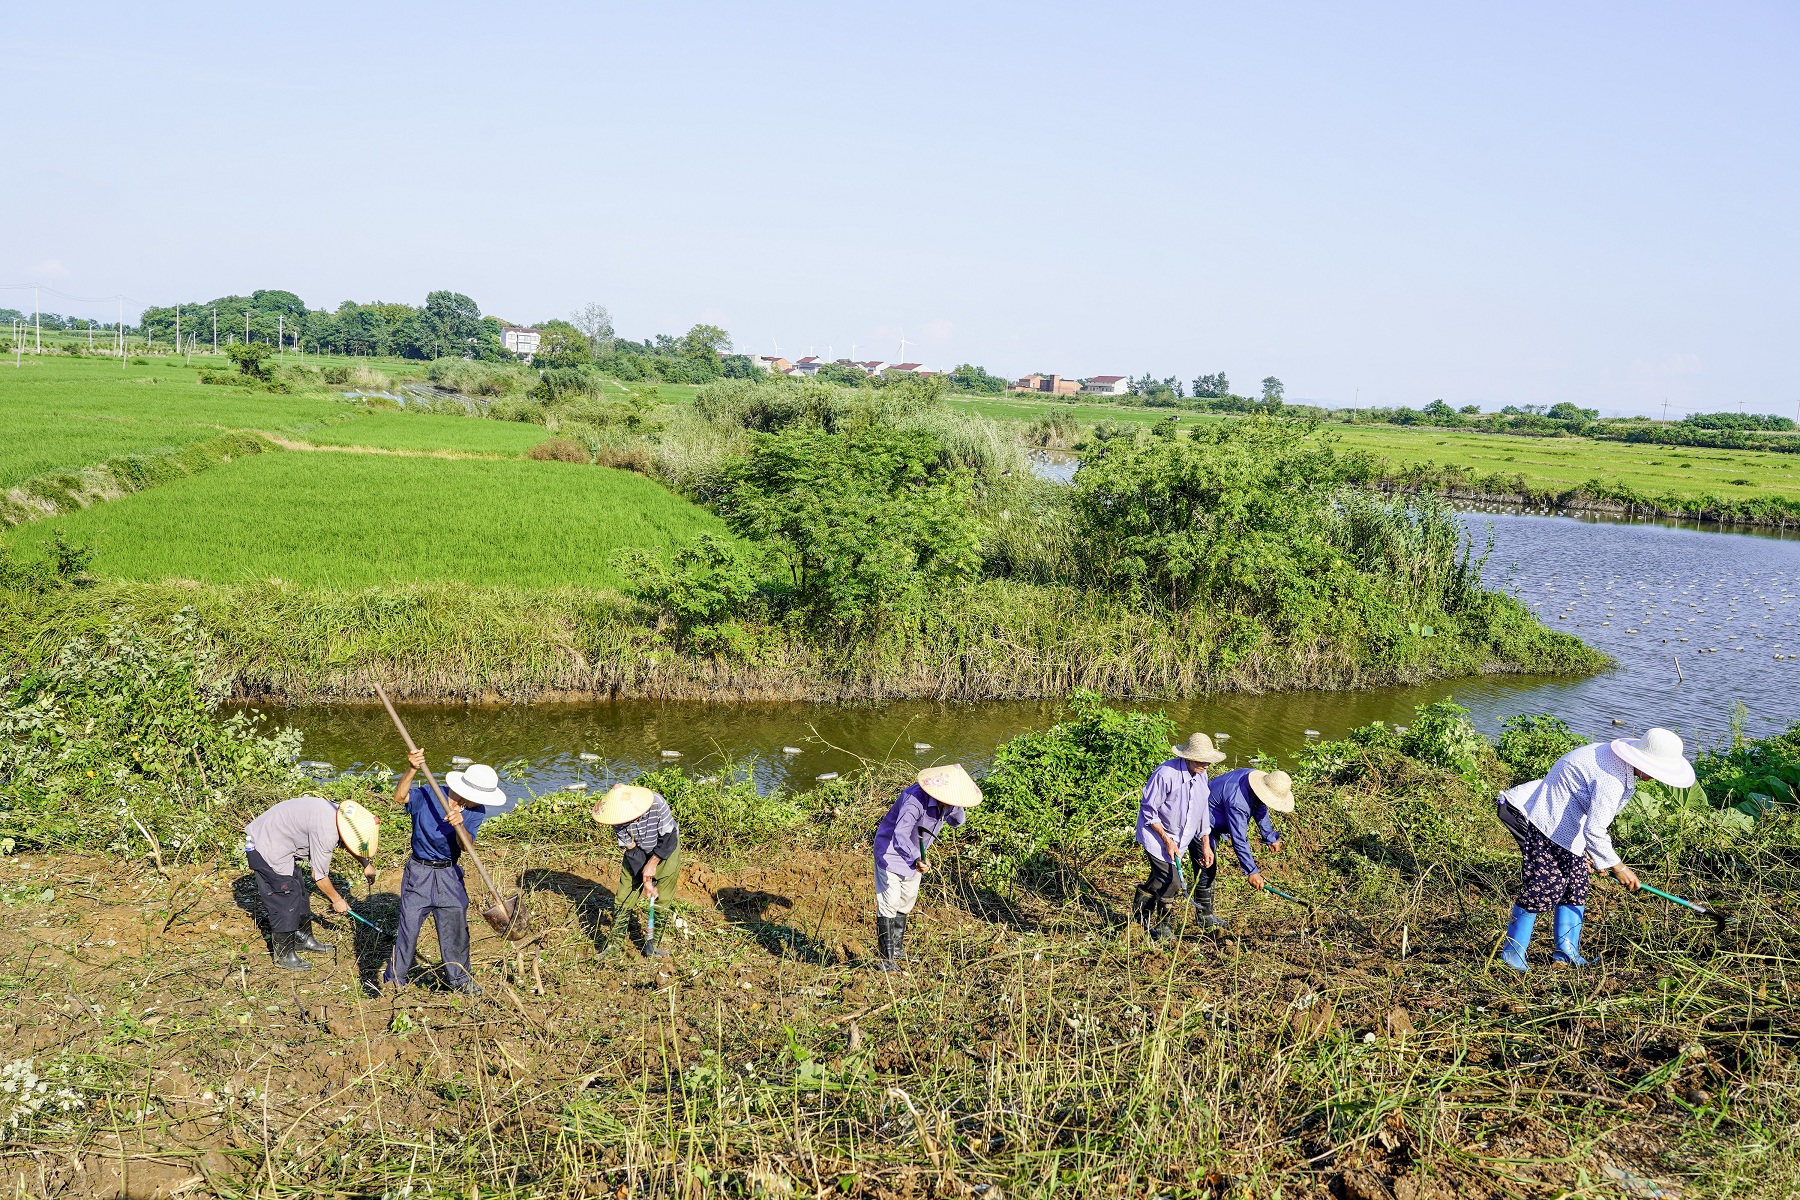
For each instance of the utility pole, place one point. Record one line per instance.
(178, 330)
(280, 336)
(1665, 410)
(37, 322)
(215, 329)
(120, 331)
(246, 326)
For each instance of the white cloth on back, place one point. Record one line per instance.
(304, 827)
(1574, 805)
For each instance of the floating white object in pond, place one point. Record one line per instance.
(1221, 737)
(588, 756)
(921, 745)
(1312, 733)
(460, 760)
(580, 785)
(790, 749)
(829, 775)
(671, 754)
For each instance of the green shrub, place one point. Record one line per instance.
(1530, 745)
(128, 731)
(723, 811)
(1055, 801)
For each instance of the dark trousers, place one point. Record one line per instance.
(285, 897)
(1549, 875)
(1163, 887)
(438, 893)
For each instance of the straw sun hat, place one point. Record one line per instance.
(950, 785)
(625, 803)
(1658, 755)
(1273, 788)
(1198, 748)
(359, 828)
(479, 784)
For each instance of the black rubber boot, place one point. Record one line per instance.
(283, 944)
(467, 986)
(1147, 910)
(898, 925)
(1203, 904)
(304, 940)
(885, 938)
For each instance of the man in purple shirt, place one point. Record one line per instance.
(1237, 798)
(1173, 820)
(902, 839)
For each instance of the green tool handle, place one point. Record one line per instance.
(372, 925)
(1666, 896)
(1284, 895)
(650, 925)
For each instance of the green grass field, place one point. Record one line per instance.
(355, 520)
(426, 432)
(1559, 463)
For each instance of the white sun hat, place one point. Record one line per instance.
(1274, 788)
(1658, 755)
(480, 784)
(625, 803)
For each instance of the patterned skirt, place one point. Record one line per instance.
(1551, 875)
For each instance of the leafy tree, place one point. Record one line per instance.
(596, 325)
(844, 374)
(1212, 386)
(740, 366)
(711, 581)
(971, 378)
(1272, 388)
(865, 522)
(562, 345)
(705, 342)
(252, 359)
(1439, 413)
(1470, 410)
(1566, 411)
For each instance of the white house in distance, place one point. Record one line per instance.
(519, 340)
(871, 366)
(906, 369)
(771, 363)
(807, 366)
(1106, 385)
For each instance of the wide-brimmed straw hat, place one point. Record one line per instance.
(1273, 788)
(359, 828)
(624, 804)
(950, 785)
(1658, 755)
(479, 784)
(1198, 748)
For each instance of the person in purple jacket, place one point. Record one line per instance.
(1172, 821)
(902, 839)
(1239, 798)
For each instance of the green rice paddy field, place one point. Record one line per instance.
(354, 520)
(1559, 463)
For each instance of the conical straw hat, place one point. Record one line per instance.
(1274, 788)
(360, 829)
(950, 785)
(624, 804)
(1198, 748)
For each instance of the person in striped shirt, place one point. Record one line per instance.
(644, 826)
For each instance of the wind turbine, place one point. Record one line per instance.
(904, 344)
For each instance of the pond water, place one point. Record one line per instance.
(1725, 604)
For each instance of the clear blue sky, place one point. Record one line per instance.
(1525, 202)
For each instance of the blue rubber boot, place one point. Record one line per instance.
(1568, 934)
(1518, 936)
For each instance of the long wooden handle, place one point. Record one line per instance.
(462, 835)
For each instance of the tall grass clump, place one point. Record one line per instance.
(472, 378)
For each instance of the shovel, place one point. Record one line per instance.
(1273, 890)
(508, 917)
(1717, 918)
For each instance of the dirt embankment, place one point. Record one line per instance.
(765, 1057)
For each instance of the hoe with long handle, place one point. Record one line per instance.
(508, 917)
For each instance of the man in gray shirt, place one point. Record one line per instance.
(309, 827)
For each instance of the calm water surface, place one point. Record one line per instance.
(1726, 604)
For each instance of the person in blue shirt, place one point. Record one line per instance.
(432, 884)
(1238, 798)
